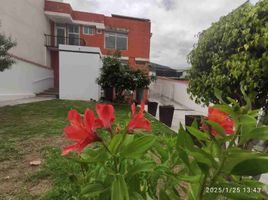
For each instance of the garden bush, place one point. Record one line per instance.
(231, 54)
(118, 75)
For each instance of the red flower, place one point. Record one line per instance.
(138, 121)
(222, 118)
(82, 133)
(106, 115)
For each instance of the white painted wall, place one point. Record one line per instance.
(78, 72)
(25, 21)
(24, 80)
(175, 91)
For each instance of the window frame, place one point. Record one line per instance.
(73, 33)
(115, 34)
(92, 27)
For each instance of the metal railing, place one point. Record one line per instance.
(54, 41)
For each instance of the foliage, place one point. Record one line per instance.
(233, 52)
(141, 80)
(5, 45)
(143, 166)
(118, 75)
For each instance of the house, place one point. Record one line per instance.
(61, 48)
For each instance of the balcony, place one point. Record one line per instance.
(52, 42)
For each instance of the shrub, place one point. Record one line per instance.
(232, 53)
(118, 75)
(5, 45)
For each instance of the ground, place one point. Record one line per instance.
(34, 131)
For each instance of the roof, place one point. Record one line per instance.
(132, 18)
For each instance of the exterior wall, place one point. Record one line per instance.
(25, 22)
(24, 80)
(139, 31)
(174, 90)
(78, 72)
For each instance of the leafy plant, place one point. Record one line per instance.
(5, 59)
(230, 54)
(118, 75)
(124, 163)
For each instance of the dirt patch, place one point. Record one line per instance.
(13, 173)
(40, 188)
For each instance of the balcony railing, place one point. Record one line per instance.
(54, 41)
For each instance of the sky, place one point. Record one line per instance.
(174, 23)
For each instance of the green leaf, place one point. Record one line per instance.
(184, 140)
(115, 143)
(236, 160)
(138, 147)
(220, 130)
(198, 134)
(203, 157)
(146, 166)
(259, 133)
(251, 167)
(136, 196)
(191, 179)
(247, 119)
(225, 108)
(119, 189)
(218, 94)
(163, 195)
(94, 189)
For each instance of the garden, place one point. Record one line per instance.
(117, 151)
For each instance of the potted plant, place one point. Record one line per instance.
(166, 114)
(142, 81)
(152, 107)
(115, 78)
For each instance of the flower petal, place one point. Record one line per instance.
(75, 133)
(89, 119)
(106, 114)
(133, 110)
(70, 148)
(74, 118)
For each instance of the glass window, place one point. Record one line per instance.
(121, 43)
(110, 41)
(116, 41)
(73, 34)
(88, 30)
(73, 28)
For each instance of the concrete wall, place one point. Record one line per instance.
(175, 91)
(25, 21)
(24, 80)
(78, 69)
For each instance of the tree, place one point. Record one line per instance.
(5, 59)
(119, 76)
(231, 54)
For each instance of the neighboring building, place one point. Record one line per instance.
(25, 22)
(46, 30)
(129, 35)
(165, 71)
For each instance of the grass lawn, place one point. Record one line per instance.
(35, 131)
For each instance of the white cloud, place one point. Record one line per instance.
(174, 22)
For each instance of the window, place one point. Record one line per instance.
(73, 34)
(88, 30)
(116, 41)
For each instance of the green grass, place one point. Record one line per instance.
(37, 129)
